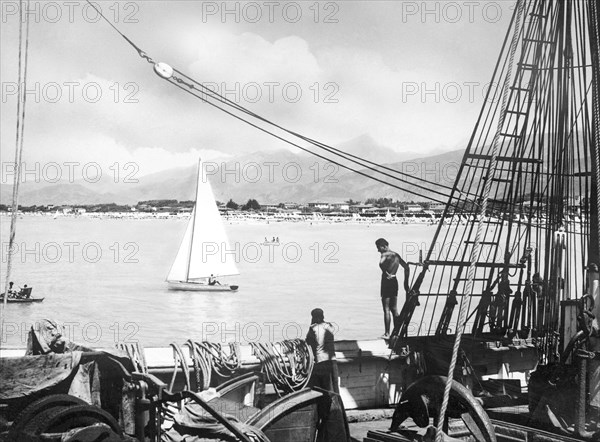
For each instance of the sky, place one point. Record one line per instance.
(409, 74)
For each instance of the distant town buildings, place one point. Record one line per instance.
(382, 207)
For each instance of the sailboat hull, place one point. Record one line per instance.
(201, 287)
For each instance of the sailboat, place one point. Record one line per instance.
(204, 254)
(388, 216)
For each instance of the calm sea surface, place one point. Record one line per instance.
(104, 279)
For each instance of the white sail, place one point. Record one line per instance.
(179, 269)
(205, 249)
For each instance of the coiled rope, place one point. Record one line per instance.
(179, 361)
(135, 353)
(287, 364)
(223, 364)
(206, 358)
(202, 365)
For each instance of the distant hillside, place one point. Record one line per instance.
(269, 177)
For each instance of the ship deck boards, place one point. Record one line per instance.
(506, 431)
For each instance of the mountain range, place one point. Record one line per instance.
(267, 176)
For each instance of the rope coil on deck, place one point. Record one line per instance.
(288, 364)
(206, 358)
(223, 364)
(202, 365)
(135, 353)
(179, 360)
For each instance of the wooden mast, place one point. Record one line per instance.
(594, 340)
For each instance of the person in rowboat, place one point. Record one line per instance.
(24, 293)
(389, 263)
(11, 292)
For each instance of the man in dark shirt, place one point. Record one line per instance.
(389, 263)
(320, 339)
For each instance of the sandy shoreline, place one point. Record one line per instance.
(250, 218)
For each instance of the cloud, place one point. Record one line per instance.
(327, 84)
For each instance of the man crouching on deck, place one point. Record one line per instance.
(389, 263)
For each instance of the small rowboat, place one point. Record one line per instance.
(23, 297)
(20, 300)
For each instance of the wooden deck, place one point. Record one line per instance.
(370, 377)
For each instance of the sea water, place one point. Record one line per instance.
(103, 279)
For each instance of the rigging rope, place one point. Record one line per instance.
(475, 251)
(594, 26)
(21, 99)
(140, 52)
(205, 91)
(192, 87)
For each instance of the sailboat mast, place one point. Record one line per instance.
(193, 221)
(21, 99)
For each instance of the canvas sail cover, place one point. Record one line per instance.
(205, 249)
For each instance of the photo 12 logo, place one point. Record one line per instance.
(72, 91)
(270, 12)
(250, 332)
(414, 251)
(70, 11)
(425, 328)
(452, 92)
(268, 171)
(452, 12)
(78, 332)
(70, 252)
(71, 171)
(272, 92)
(438, 172)
(270, 251)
